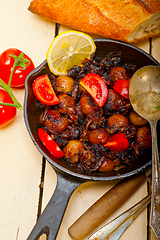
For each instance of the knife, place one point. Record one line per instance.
(106, 205)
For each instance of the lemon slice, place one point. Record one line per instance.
(69, 49)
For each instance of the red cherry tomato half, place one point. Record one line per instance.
(96, 87)
(117, 142)
(122, 87)
(6, 64)
(43, 90)
(7, 113)
(50, 144)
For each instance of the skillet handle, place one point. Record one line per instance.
(50, 220)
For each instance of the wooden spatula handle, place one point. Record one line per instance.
(105, 206)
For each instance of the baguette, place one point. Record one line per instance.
(125, 20)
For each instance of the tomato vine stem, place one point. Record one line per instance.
(19, 62)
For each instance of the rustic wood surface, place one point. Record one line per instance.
(21, 164)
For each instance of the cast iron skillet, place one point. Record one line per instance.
(68, 180)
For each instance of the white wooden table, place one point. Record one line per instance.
(21, 163)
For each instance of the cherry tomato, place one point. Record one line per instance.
(43, 90)
(50, 144)
(122, 87)
(117, 142)
(6, 64)
(7, 113)
(96, 87)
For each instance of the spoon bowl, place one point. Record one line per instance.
(144, 93)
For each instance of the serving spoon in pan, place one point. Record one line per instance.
(144, 93)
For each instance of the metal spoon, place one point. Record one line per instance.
(144, 93)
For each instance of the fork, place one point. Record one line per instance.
(114, 229)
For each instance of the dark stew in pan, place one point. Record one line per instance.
(88, 134)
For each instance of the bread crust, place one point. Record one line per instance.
(152, 6)
(98, 16)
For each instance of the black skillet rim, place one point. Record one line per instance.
(55, 165)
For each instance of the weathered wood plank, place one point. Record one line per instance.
(20, 162)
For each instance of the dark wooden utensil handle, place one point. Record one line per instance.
(105, 206)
